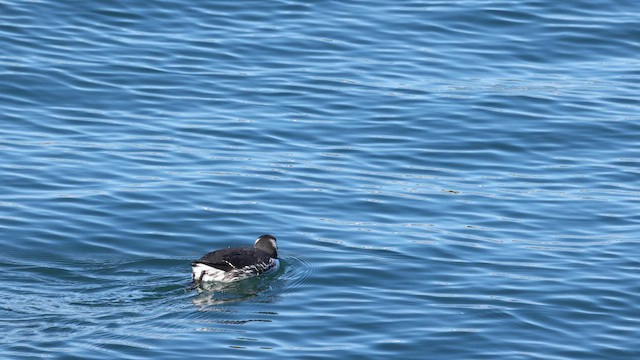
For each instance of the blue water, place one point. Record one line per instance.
(446, 179)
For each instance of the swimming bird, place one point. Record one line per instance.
(236, 263)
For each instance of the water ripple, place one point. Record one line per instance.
(436, 173)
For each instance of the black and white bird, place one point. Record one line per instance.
(237, 263)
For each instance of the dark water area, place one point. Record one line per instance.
(446, 179)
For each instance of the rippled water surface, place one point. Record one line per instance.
(446, 179)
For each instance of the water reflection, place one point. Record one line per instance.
(221, 307)
(215, 293)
